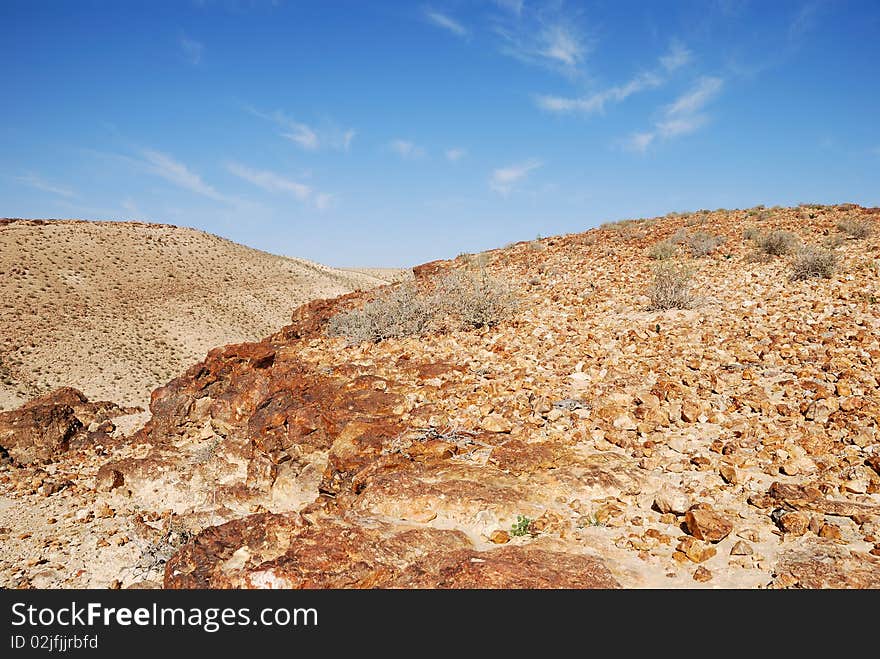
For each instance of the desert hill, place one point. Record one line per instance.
(117, 308)
(679, 402)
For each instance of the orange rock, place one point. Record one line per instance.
(706, 524)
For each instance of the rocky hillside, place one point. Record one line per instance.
(687, 401)
(117, 308)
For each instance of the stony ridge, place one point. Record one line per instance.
(587, 442)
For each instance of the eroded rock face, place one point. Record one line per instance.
(43, 428)
(826, 564)
(293, 551)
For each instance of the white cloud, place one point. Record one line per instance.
(310, 138)
(597, 102)
(455, 154)
(504, 178)
(681, 117)
(191, 49)
(445, 22)
(693, 101)
(38, 182)
(164, 166)
(515, 6)
(544, 36)
(270, 181)
(639, 142)
(323, 201)
(677, 57)
(561, 44)
(302, 135)
(406, 149)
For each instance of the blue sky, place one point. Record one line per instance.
(392, 133)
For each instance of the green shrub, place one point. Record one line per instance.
(521, 526)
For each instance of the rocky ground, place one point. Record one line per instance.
(588, 440)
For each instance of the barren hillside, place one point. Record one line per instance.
(688, 401)
(116, 308)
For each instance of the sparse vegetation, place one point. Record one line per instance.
(856, 228)
(702, 243)
(662, 250)
(463, 299)
(671, 288)
(813, 262)
(395, 313)
(777, 243)
(521, 526)
(473, 299)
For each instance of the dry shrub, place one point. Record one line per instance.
(777, 243)
(671, 287)
(703, 244)
(812, 262)
(462, 300)
(662, 250)
(395, 313)
(473, 299)
(856, 227)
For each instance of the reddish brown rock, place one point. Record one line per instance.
(708, 525)
(289, 551)
(825, 564)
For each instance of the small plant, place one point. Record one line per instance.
(662, 250)
(395, 313)
(812, 262)
(703, 244)
(751, 232)
(473, 299)
(671, 288)
(521, 526)
(777, 243)
(856, 228)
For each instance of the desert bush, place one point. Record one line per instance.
(857, 228)
(812, 262)
(396, 313)
(777, 243)
(671, 287)
(702, 243)
(662, 250)
(473, 299)
(751, 232)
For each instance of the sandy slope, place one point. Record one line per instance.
(118, 308)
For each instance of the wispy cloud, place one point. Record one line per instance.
(504, 179)
(597, 102)
(681, 117)
(270, 181)
(446, 22)
(191, 49)
(675, 58)
(546, 36)
(406, 149)
(455, 154)
(308, 137)
(38, 182)
(277, 183)
(515, 6)
(804, 20)
(173, 171)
